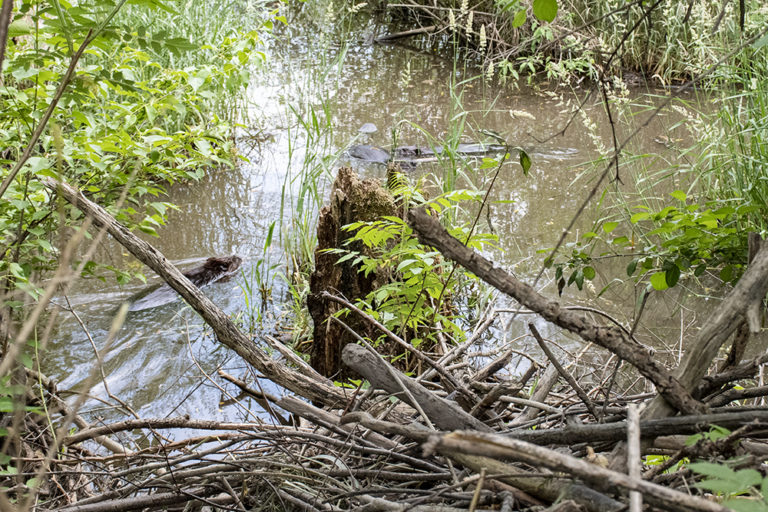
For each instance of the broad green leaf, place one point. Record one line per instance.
(659, 281)
(579, 280)
(720, 486)
(726, 274)
(589, 273)
(746, 505)
(760, 42)
(679, 195)
(631, 267)
(672, 275)
(545, 10)
(19, 28)
(519, 19)
(711, 469)
(609, 226)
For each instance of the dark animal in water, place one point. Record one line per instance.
(369, 153)
(213, 269)
(416, 154)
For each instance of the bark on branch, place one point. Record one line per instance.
(499, 447)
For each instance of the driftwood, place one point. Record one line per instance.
(444, 414)
(499, 447)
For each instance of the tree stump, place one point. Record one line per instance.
(352, 200)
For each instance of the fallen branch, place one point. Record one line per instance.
(430, 232)
(443, 413)
(499, 447)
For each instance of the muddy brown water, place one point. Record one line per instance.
(164, 360)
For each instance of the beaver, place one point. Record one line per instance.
(213, 269)
(415, 154)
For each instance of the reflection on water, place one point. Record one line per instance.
(159, 361)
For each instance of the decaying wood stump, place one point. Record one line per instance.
(352, 200)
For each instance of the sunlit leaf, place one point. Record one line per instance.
(659, 281)
(545, 10)
(519, 19)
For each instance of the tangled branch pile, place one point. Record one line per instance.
(447, 440)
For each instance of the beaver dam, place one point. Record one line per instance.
(425, 286)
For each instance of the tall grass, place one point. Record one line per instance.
(735, 160)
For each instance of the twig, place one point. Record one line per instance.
(633, 455)
(564, 373)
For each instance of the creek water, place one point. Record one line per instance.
(304, 109)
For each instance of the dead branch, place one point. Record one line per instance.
(446, 415)
(430, 232)
(499, 447)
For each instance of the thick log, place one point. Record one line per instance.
(444, 414)
(430, 232)
(226, 331)
(548, 488)
(587, 433)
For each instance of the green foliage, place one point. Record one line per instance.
(129, 122)
(545, 10)
(415, 298)
(715, 434)
(682, 239)
(745, 490)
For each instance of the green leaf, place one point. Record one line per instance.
(679, 195)
(525, 162)
(609, 226)
(721, 486)
(545, 10)
(631, 267)
(589, 273)
(579, 280)
(726, 274)
(746, 505)
(713, 470)
(519, 18)
(19, 28)
(672, 275)
(659, 281)
(760, 42)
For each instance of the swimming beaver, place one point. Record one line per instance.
(416, 154)
(213, 269)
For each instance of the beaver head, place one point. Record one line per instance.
(222, 265)
(214, 269)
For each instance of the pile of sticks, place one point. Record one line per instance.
(448, 440)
